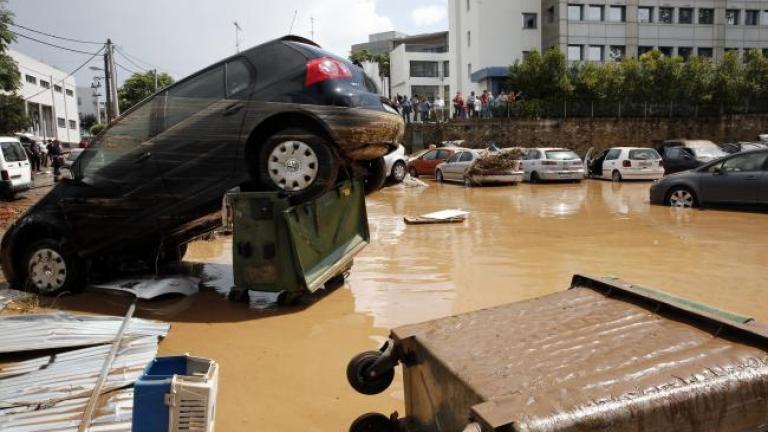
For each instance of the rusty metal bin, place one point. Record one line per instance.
(602, 356)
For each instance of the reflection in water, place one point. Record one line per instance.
(528, 240)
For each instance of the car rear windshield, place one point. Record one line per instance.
(358, 76)
(12, 151)
(561, 155)
(644, 154)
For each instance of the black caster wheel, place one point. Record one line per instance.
(360, 380)
(373, 422)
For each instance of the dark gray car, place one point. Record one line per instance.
(740, 179)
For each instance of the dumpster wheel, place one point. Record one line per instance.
(359, 374)
(373, 422)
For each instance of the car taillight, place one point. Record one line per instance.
(548, 163)
(627, 164)
(4, 175)
(324, 68)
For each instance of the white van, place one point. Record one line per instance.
(15, 171)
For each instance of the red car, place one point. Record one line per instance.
(426, 162)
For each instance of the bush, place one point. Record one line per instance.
(97, 128)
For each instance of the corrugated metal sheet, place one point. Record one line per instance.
(7, 296)
(114, 414)
(73, 374)
(20, 333)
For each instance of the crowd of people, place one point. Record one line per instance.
(42, 155)
(420, 109)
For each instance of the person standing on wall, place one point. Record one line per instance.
(458, 105)
(406, 106)
(471, 101)
(439, 108)
(424, 108)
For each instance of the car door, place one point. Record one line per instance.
(449, 168)
(737, 180)
(678, 159)
(442, 156)
(426, 163)
(611, 162)
(762, 197)
(15, 163)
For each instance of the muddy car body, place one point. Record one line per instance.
(283, 116)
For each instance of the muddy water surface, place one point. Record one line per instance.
(284, 371)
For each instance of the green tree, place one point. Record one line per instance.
(88, 120)
(588, 84)
(755, 76)
(13, 117)
(614, 84)
(97, 128)
(139, 87)
(729, 84)
(696, 82)
(361, 56)
(557, 84)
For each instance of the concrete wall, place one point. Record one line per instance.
(581, 134)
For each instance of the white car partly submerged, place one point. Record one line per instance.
(625, 163)
(462, 167)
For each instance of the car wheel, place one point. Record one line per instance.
(535, 177)
(375, 174)
(299, 162)
(398, 171)
(616, 177)
(439, 176)
(51, 268)
(413, 172)
(681, 197)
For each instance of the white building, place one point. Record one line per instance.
(486, 37)
(419, 65)
(50, 100)
(89, 103)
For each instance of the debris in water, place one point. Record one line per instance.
(411, 182)
(150, 288)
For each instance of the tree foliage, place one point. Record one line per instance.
(88, 120)
(140, 86)
(361, 56)
(13, 117)
(653, 79)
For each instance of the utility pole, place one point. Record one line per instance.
(237, 36)
(155, 80)
(110, 81)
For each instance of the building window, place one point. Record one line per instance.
(529, 21)
(551, 15)
(446, 69)
(645, 14)
(706, 16)
(617, 14)
(685, 16)
(765, 52)
(575, 12)
(424, 69)
(69, 92)
(764, 18)
(751, 17)
(617, 52)
(469, 38)
(667, 51)
(595, 53)
(685, 52)
(666, 15)
(45, 84)
(643, 49)
(61, 122)
(595, 12)
(57, 88)
(30, 79)
(705, 52)
(575, 52)
(732, 50)
(72, 124)
(526, 54)
(732, 16)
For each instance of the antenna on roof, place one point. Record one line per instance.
(312, 28)
(237, 35)
(293, 21)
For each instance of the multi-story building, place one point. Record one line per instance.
(50, 100)
(600, 30)
(419, 65)
(379, 43)
(486, 37)
(89, 103)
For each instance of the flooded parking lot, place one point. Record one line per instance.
(284, 370)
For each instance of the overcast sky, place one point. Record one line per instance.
(182, 36)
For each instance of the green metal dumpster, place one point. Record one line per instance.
(602, 356)
(295, 249)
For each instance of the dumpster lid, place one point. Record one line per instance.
(604, 355)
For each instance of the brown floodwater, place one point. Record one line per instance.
(284, 370)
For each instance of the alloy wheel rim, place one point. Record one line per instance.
(681, 198)
(293, 166)
(399, 171)
(47, 270)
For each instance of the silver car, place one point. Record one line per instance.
(457, 169)
(540, 164)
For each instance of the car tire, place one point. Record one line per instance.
(303, 176)
(535, 177)
(399, 171)
(375, 174)
(439, 176)
(412, 171)
(681, 197)
(51, 267)
(616, 176)
(373, 422)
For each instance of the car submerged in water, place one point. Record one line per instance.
(284, 116)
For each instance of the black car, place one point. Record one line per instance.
(284, 116)
(740, 179)
(682, 155)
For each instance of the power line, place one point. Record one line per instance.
(127, 69)
(52, 45)
(119, 51)
(129, 57)
(57, 37)
(61, 81)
